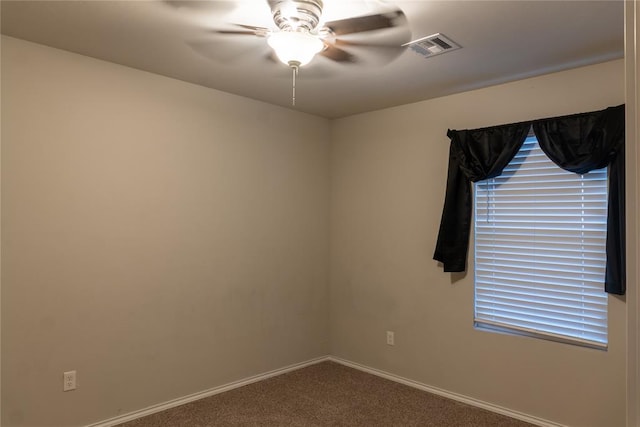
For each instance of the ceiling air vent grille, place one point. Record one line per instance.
(432, 45)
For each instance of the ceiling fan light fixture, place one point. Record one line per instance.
(295, 46)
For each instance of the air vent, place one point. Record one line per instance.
(432, 45)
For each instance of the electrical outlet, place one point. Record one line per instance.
(69, 381)
(391, 338)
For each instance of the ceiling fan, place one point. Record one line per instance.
(300, 33)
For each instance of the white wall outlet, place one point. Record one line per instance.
(69, 381)
(391, 340)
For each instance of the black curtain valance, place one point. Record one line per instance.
(578, 143)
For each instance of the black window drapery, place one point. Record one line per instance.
(474, 155)
(578, 143)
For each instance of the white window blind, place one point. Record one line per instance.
(540, 236)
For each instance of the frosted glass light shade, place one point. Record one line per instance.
(294, 46)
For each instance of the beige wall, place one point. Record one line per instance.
(388, 180)
(158, 237)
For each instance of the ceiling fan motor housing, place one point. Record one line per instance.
(296, 15)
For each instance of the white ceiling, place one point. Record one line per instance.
(501, 41)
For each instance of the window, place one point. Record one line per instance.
(540, 235)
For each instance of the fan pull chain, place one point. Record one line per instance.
(294, 69)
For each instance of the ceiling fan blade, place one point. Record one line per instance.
(336, 54)
(372, 53)
(390, 49)
(226, 53)
(271, 57)
(236, 32)
(364, 23)
(253, 28)
(344, 42)
(201, 6)
(249, 30)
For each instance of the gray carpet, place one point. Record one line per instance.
(326, 394)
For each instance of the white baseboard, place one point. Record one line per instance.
(230, 386)
(450, 395)
(201, 395)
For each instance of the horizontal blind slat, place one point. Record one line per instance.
(540, 236)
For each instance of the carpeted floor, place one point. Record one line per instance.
(326, 394)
